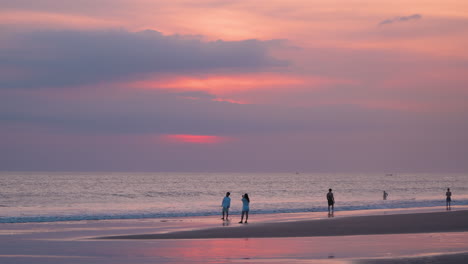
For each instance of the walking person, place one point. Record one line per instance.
(226, 203)
(245, 208)
(331, 201)
(448, 200)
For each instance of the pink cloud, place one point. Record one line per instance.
(41, 19)
(194, 139)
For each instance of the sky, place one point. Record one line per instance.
(234, 85)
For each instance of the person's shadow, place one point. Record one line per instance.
(226, 223)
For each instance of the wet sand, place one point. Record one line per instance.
(74, 243)
(432, 259)
(451, 221)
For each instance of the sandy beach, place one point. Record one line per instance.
(451, 221)
(412, 235)
(360, 237)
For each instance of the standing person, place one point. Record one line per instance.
(385, 194)
(226, 203)
(449, 198)
(331, 200)
(245, 208)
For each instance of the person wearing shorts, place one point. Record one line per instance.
(245, 208)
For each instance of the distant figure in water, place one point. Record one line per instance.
(226, 204)
(449, 198)
(385, 195)
(331, 201)
(245, 208)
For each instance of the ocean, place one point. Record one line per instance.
(72, 196)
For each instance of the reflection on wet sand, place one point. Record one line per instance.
(327, 249)
(54, 243)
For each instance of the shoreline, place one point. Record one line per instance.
(258, 217)
(428, 222)
(76, 243)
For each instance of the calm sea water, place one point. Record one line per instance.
(47, 197)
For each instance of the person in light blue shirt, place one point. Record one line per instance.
(226, 203)
(245, 208)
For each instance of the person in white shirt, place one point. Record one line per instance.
(226, 204)
(245, 208)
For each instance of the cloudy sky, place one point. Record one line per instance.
(234, 85)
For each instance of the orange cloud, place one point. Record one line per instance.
(220, 84)
(54, 20)
(194, 139)
(228, 84)
(240, 89)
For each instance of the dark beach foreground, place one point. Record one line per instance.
(431, 259)
(451, 221)
(413, 236)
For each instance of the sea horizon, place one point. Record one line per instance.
(75, 196)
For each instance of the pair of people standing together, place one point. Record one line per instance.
(226, 204)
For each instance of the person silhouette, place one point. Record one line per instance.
(331, 201)
(226, 203)
(385, 195)
(245, 208)
(448, 200)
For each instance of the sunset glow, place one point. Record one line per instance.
(194, 139)
(223, 84)
(222, 131)
(263, 72)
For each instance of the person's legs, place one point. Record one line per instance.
(246, 216)
(242, 217)
(225, 213)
